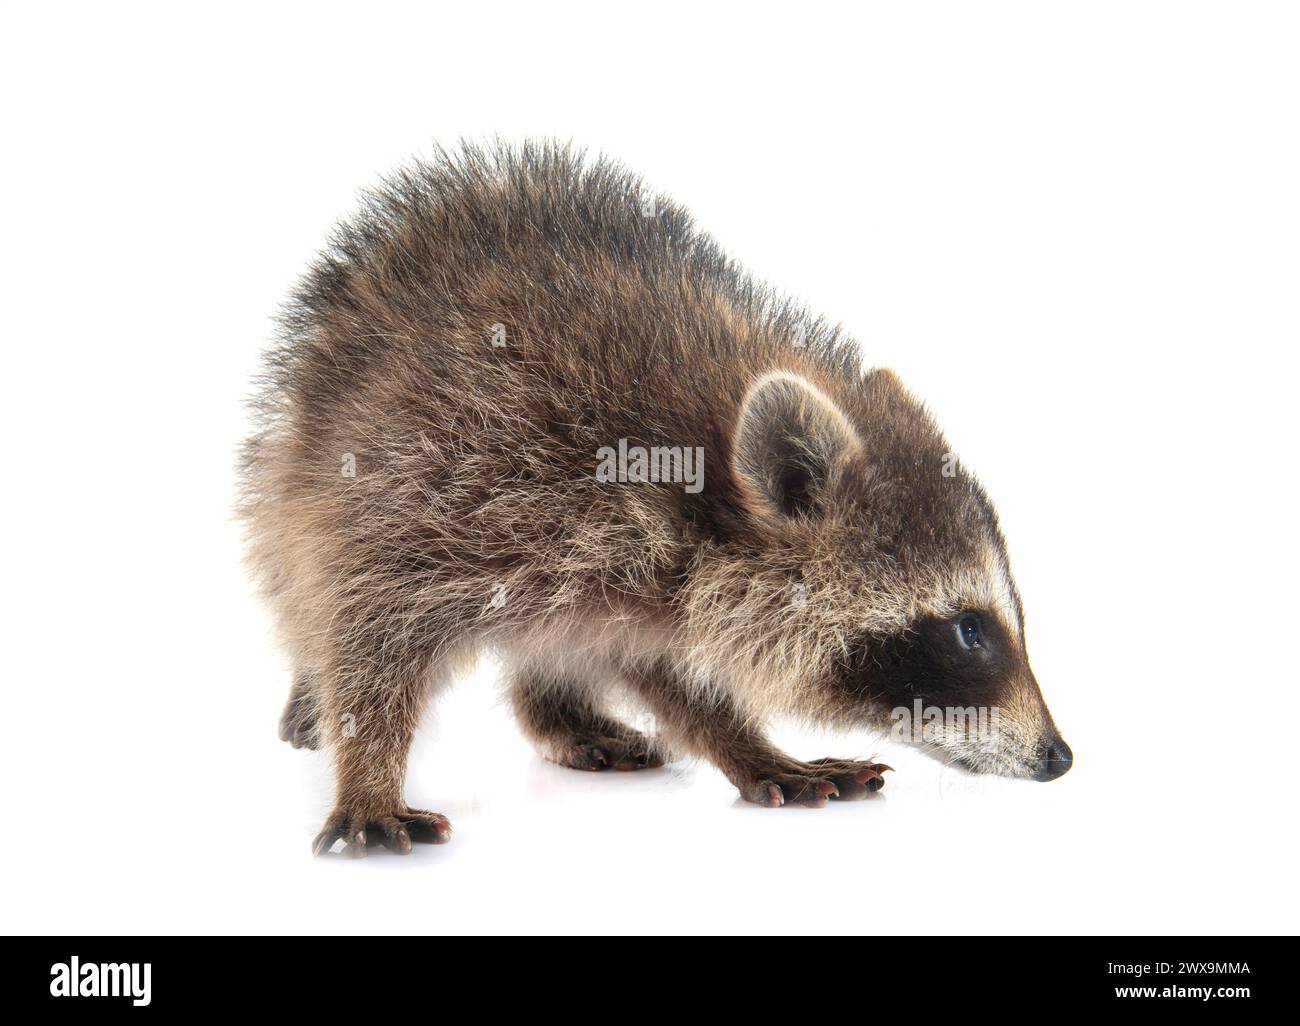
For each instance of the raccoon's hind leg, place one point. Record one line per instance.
(300, 719)
(563, 718)
(370, 704)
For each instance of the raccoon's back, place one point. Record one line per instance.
(493, 318)
(491, 271)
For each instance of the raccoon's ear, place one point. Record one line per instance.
(791, 442)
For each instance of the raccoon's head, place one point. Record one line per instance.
(906, 616)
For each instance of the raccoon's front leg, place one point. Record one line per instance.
(370, 714)
(712, 726)
(563, 720)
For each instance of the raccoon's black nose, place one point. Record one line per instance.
(1056, 760)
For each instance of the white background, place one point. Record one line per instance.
(1073, 229)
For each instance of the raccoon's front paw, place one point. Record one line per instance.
(395, 832)
(812, 784)
(854, 780)
(598, 753)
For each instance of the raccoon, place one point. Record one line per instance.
(777, 530)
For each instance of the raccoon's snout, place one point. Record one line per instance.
(1054, 760)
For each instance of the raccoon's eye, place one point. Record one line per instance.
(968, 631)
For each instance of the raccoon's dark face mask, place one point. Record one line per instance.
(962, 689)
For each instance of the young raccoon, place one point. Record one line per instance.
(523, 405)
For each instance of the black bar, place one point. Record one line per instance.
(422, 977)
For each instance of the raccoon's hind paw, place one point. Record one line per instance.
(598, 753)
(395, 832)
(815, 783)
(298, 723)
